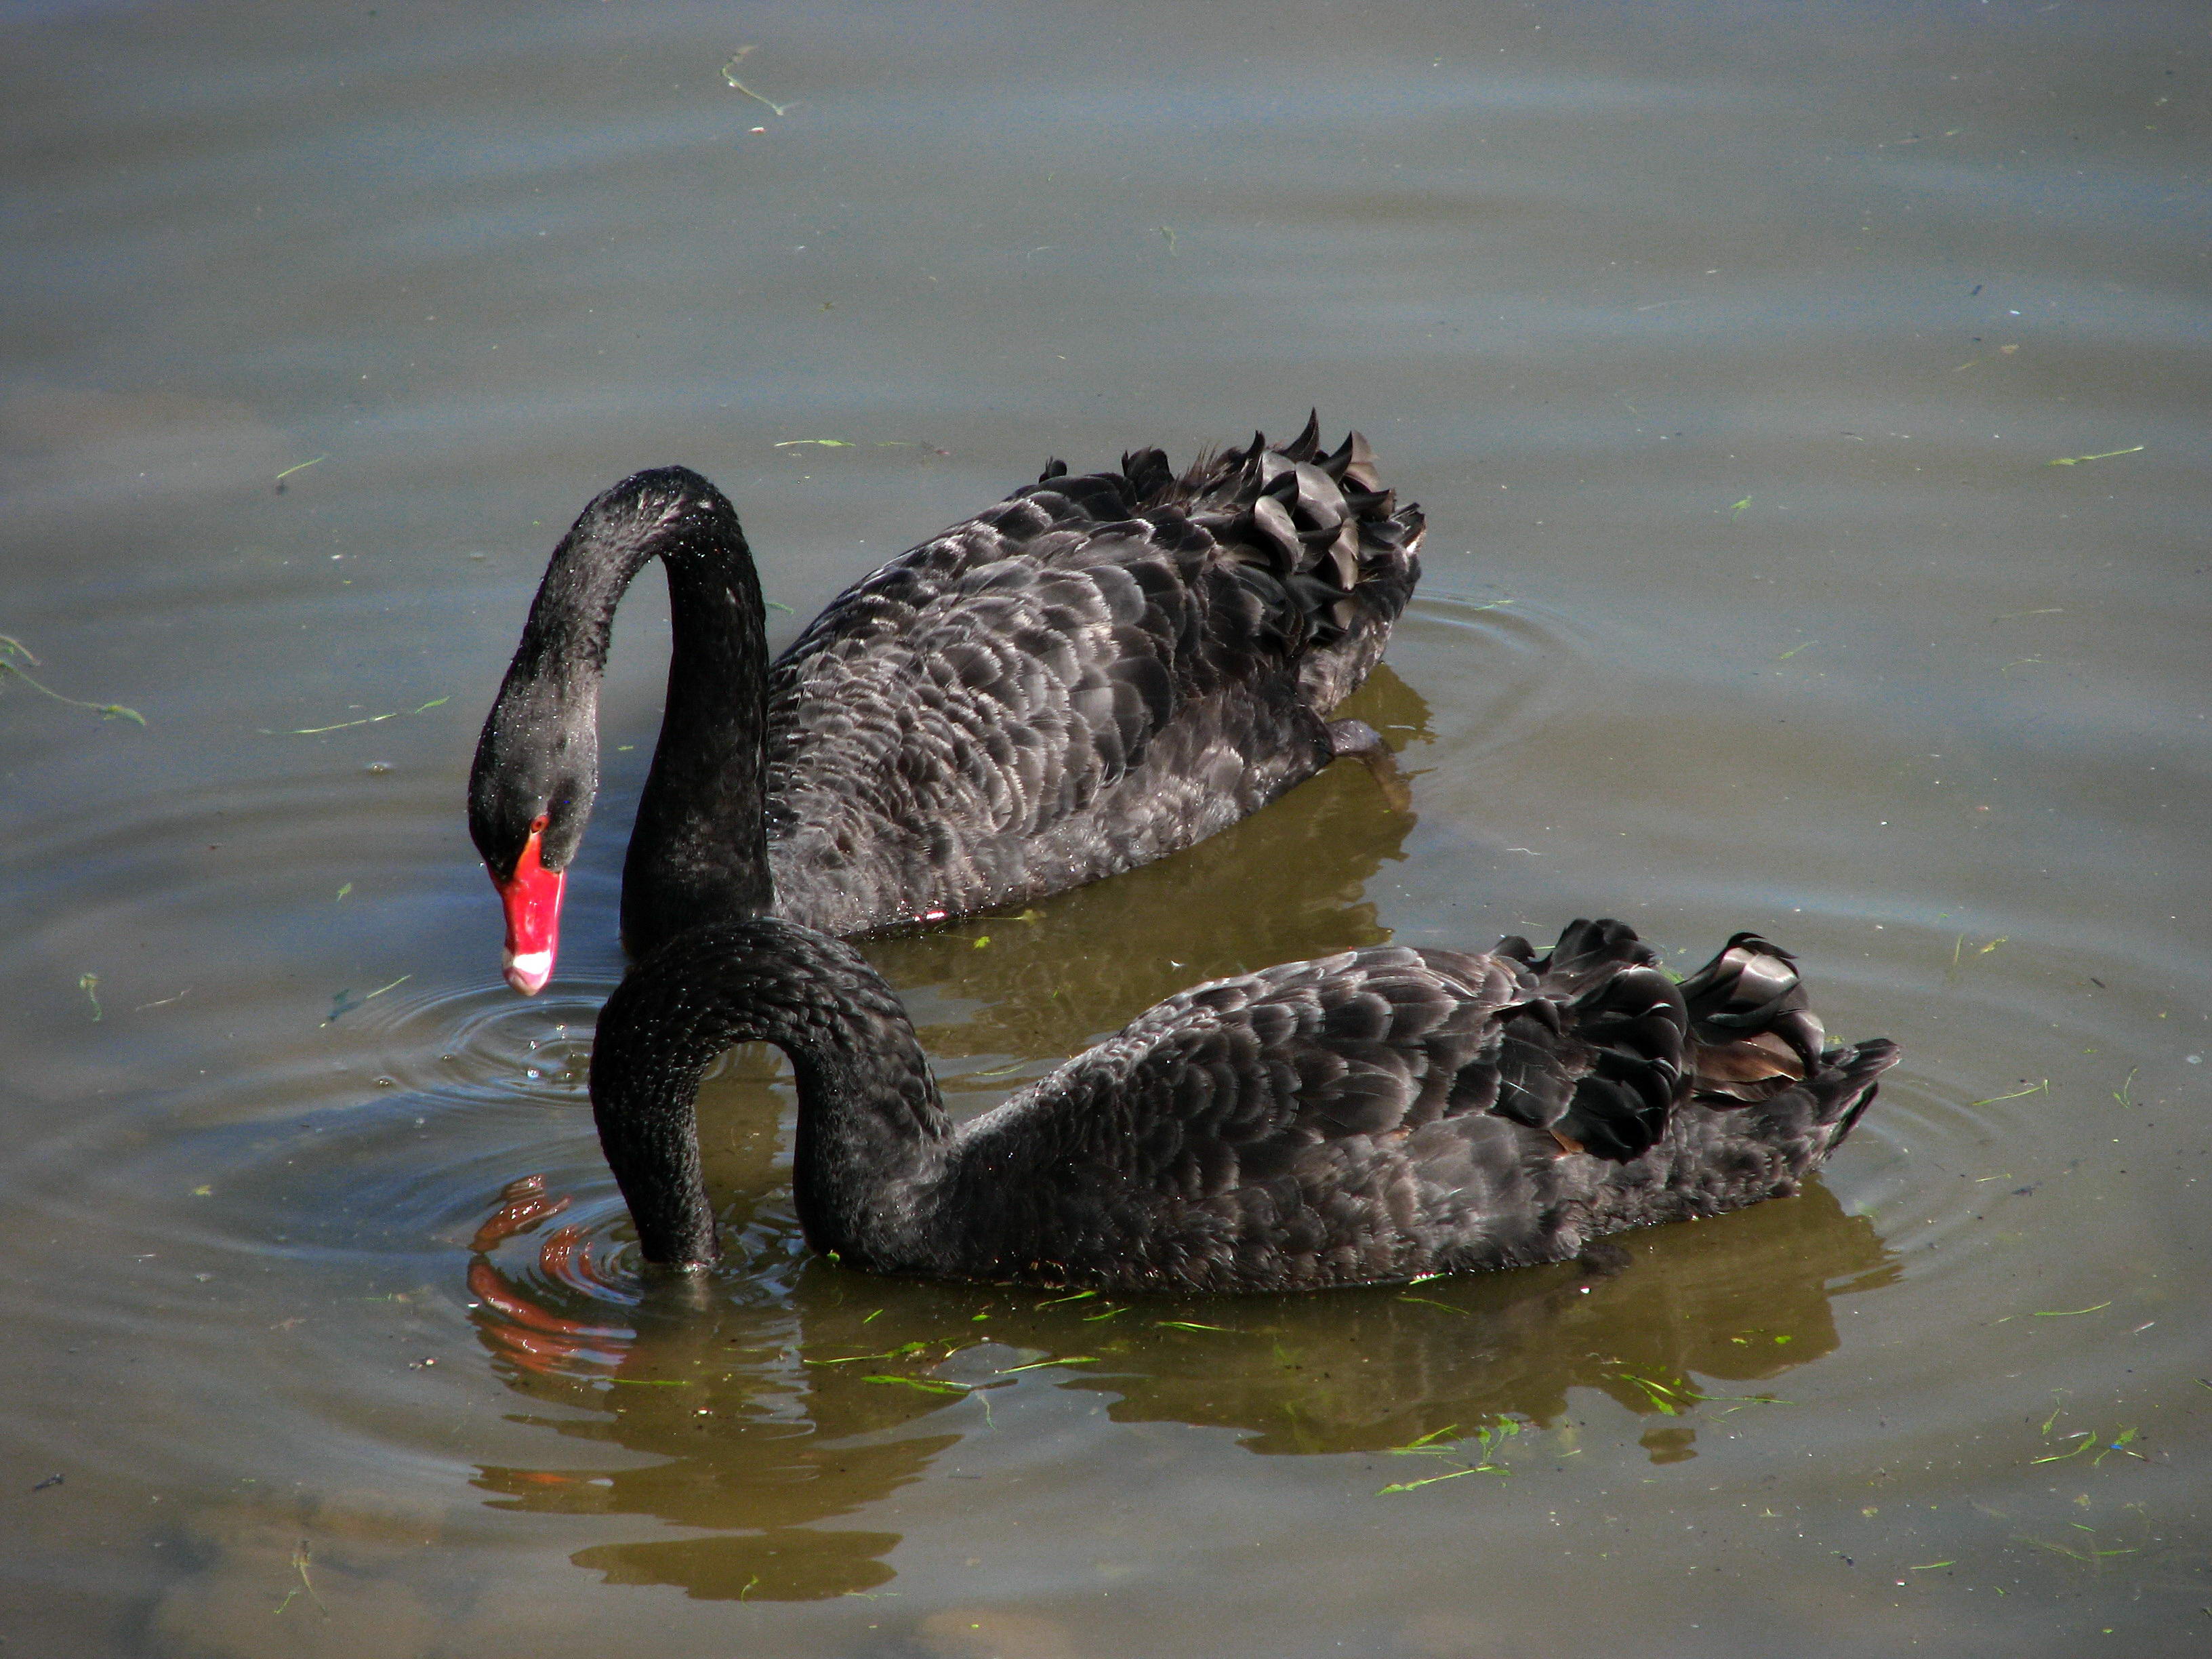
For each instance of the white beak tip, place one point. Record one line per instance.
(528, 973)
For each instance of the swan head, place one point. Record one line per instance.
(528, 804)
(536, 769)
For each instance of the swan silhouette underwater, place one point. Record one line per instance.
(1367, 1118)
(1096, 672)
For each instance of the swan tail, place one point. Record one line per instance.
(1846, 1083)
(1608, 1045)
(1322, 526)
(1332, 553)
(1755, 1033)
(1596, 1054)
(1756, 1044)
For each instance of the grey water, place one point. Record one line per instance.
(1809, 403)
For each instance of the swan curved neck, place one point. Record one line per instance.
(700, 846)
(872, 1128)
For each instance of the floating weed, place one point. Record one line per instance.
(1431, 1302)
(2091, 1555)
(1191, 1325)
(2125, 1093)
(1039, 1364)
(300, 1558)
(1930, 1566)
(11, 648)
(1487, 604)
(1079, 1296)
(899, 1352)
(301, 467)
(1738, 507)
(1795, 649)
(340, 1006)
(1168, 231)
(2076, 460)
(1431, 1480)
(348, 725)
(773, 606)
(2120, 1446)
(729, 75)
(2042, 1088)
(2087, 1441)
(926, 1384)
(652, 1383)
(2070, 1312)
(820, 443)
(1110, 1313)
(344, 891)
(1958, 949)
(2084, 1435)
(1664, 1396)
(1672, 1399)
(1490, 1440)
(89, 984)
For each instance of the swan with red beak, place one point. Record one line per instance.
(1096, 672)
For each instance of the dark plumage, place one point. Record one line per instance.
(1368, 1117)
(1096, 672)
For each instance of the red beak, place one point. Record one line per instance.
(532, 897)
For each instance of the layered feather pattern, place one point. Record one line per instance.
(1096, 671)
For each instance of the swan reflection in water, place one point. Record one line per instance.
(789, 1393)
(784, 1393)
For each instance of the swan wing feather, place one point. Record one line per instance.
(1032, 698)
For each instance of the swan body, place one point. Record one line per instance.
(1369, 1117)
(1096, 672)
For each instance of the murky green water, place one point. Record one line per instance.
(1729, 348)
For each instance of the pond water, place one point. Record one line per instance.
(1729, 349)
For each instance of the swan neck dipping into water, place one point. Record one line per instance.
(1365, 1118)
(872, 1125)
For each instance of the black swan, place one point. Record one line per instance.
(1365, 1118)
(1094, 673)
